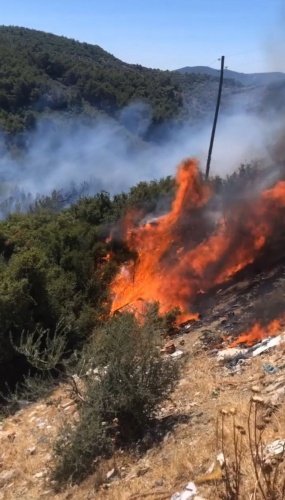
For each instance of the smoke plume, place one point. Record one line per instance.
(112, 155)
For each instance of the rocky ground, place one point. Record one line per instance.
(184, 447)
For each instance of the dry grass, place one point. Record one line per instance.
(185, 454)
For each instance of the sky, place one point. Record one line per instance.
(165, 34)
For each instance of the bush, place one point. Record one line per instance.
(128, 380)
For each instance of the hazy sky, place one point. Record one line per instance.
(166, 34)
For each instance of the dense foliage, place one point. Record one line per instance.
(41, 73)
(54, 265)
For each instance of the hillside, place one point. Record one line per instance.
(43, 74)
(244, 78)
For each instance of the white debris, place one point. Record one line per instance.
(187, 494)
(220, 458)
(277, 447)
(230, 353)
(177, 354)
(111, 474)
(267, 344)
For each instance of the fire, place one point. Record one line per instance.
(186, 251)
(258, 332)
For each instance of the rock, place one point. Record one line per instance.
(169, 348)
(7, 435)
(143, 470)
(39, 475)
(111, 474)
(6, 476)
(158, 483)
(256, 389)
(274, 399)
(32, 450)
(47, 457)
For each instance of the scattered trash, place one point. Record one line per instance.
(230, 353)
(189, 492)
(270, 369)
(236, 359)
(267, 344)
(177, 354)
(275, 448)
(220, 459)
(233, 355)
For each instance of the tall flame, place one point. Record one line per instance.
(185, 252)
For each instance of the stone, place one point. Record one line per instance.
(143, 470)
(169, 348)
(32, 450)
(6, 476)
(111, 474)
(158, 483)
(256, 388)
(47, 457)
(39, 475)
(7, 435)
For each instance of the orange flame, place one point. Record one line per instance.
(258, 332)
(178, 258)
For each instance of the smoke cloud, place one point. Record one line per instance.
(112, 155)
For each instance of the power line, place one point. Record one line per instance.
(242, 53)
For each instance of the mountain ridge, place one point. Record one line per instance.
(42, 73)
(263, 78)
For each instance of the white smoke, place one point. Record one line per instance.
(112, 155)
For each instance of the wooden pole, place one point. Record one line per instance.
(216, 117)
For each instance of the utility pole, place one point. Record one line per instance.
(216, 117)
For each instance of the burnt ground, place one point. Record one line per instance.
(256, 294)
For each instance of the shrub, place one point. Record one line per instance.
(128, 380)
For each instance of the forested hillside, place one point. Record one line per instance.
(41, 73)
